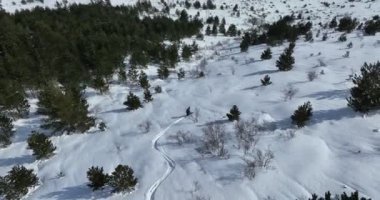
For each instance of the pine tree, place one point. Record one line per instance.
(163, 72)
(222, 29)
(133, 102)
(214, 30)
(132, 74)
(232, 31)
(100, 84)
(6, 130)
(122, 76)
(266, 80)
(143, 80)
(186, 52)
(66, 108)
(98, 179)
(234, 114)
(41, 145)
(333, 23)
(158, 89)
(122, 179)
(365, 95)
(267, 54)
(181, 74)
(302, 114)
(17, 182)
(208, 30)
(245, 42)
(147, 95)
(286, 60)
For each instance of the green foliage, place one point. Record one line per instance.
(100, 84)
(16, 183)
(122, 179)
(347, 24)
(365, 95)
(245, 42)
(73, 44)
(181, 74)
(232, 31)
(66, 109)
(286, 60)
(333, 23)
(98, 179)
(147, 95)
(12, 98)
(267, 54)
(371, 27)
(143, 80)
(302, 114)
(158, 89)
(102, 126)
(6, 130)
(163, 72)
(344, 196)
(234, 114)
(41, 145)
(133, 102)
(266, 80)
(186, 52)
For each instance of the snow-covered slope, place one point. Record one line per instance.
(337, 151)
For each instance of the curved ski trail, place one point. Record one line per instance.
(171, 163)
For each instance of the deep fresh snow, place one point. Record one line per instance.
(339, 150)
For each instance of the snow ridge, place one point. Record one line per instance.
(171, 163)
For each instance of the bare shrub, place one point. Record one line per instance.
(195, 115)
(289, 92)
(312, 75)
(181, 137)
(247, 134)
(145, 126)
(322, 63)
(213, 140)
(260, 161)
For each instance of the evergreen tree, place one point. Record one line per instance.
(208, 30)
(266, 80)
(102, 126)
(234, 114)
(222, 29)
(122, 179)
(122, 76)
(232, 31)
(163, 72)
(267, 54)
(214, 30)
(41, 145)
(245, 42)
(6, 131)
(333, 23)
(98, 179)
(132, 75)
(66, 109)
(302, 114)
(147, 95)
(17, 182)
(197, 4)
(143, 80)
(100, 84)
(365, 95)
(12, 99)
(158, 89)
(286, 60)
(133, 102)
(181, 74)
(186, 52)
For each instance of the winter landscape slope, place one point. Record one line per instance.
(338, 150)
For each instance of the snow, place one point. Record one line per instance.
(338, 150)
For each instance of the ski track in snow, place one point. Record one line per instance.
(171, 163)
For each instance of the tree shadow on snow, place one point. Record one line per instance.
(331, 94)
(252, 88)
(119, 110)
(264, 72)
(78, 192)
(25, 159)
(220, 121)
(320, 116)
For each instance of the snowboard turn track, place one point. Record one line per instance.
(171, 163)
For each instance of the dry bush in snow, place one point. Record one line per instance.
(145, 126)
(312, 75)
(289, 92)
(213, 140)
(181, 137)
(261, 160)
(195, 115)
(247, 134)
